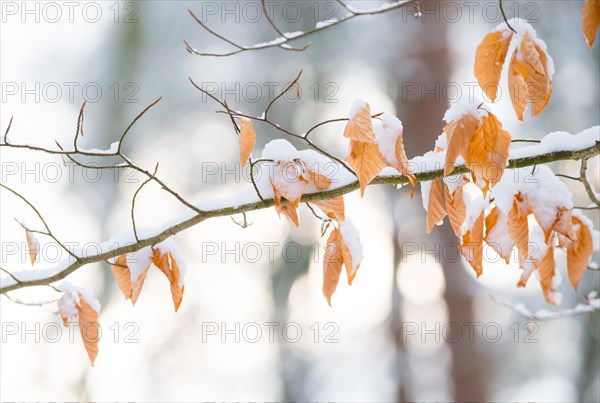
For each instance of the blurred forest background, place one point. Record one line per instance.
(375, 58)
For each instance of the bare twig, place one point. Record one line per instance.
(586, 183)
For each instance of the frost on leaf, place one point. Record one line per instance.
(76, 305)
(590, 21)
(489, 60)
(247, 140)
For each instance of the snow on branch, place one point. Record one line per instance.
(284, 38)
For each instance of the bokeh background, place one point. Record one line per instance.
(134, 53)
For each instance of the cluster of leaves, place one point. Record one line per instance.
(484, 206)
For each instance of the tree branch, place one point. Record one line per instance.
(15, 283)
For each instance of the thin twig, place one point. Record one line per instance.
(283, 41)
(586, 183)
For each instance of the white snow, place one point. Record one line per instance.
(326, 23)
(67, 288)
(465, 106)
(114, 147)
(387, 130)
(351, 238)
(356, 107)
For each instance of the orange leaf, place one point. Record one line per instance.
(122, 274)
(590, 21)
(32, 245)
(435, 210)
(579, 252)
(360, 127)
(402, 165)
(488, 150)
(168, 265)
(332, 264)
(73, 305)
(518, 227)
(247, 140)
(459, 134)
(528, 78)
(547, 269)
(472, 245)
(489, 59)
(322, 182)
(455, 206)
(89, 328)
(334, 208)
(366, 160)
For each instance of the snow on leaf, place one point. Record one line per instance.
(247, 140)
(332, 264)
(389, 136)
(489, 59)
(131, 281)
(590, 21)
(360, 127)
(496, 233)
(455, 206)
(472, 245)
(529, 77)
(72, 306)
(365, 157)
(352, 249)
(33, 245)
(479, 138)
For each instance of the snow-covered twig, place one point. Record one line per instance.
(591, 305)
(284, 39)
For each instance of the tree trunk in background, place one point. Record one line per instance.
(422, 116)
